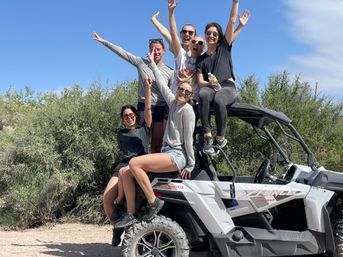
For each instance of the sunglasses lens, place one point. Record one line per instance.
(130, 115)
(187, 31)
(209, 33)
(184, 91)
(200, 43)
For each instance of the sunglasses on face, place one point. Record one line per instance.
(209, 33)
(181, 90)
(199, 42)
(130, 115)
(191, 33)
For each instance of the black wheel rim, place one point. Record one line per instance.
(156, 244)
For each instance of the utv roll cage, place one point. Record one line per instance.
(260, 117)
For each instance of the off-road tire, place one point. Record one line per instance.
(161, 233)
(337, 227)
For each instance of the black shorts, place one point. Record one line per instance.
(118, 167)
(159, 112)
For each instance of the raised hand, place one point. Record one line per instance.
(244, 18)
(154, 16)
(97, 37)
(148, 82)
(172, 5)
(147, 109)
(151, 55)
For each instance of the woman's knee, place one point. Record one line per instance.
(134, 163)
(205, 94)
(219, 103)
(122, 171)
(139, 164)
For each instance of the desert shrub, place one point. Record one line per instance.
(57, 159)
(318, 119)
(61, 150)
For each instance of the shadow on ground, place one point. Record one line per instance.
(81, 250)
(74, 250)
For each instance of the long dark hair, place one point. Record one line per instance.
(219, 28)
(131, 107)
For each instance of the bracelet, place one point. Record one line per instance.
(147, 109)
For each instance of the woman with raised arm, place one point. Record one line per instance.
(158, 105)
(176, 154)
(187, 33)
(185, 68)
(216, 78)
(133, 140)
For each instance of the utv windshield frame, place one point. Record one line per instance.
(260, 117)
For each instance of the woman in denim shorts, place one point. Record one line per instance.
(177, 152)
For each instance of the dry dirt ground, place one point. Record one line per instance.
(61, 240)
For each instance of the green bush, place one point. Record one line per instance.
(318, 119)
(60, 151)
(57, 158)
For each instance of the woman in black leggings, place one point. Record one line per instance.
(216, 78)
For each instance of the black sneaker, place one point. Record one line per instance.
(117, 212)
(126, 221)
(221, 143)
(153, 209)
(116, 238)
(208, 149)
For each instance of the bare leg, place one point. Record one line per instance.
(158, 163)
(120, 196)
(130, 191)
(157, 137)
(109, 196)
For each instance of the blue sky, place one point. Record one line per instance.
(48, 45)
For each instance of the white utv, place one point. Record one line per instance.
(296, 214)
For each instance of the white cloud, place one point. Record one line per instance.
(318, 24)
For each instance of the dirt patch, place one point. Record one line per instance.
(62, 240)
(72, 240)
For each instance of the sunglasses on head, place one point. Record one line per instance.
(214, 33)
(155, 40)
(130, 115)
(184, 91)
(190, 32)
(199, 42)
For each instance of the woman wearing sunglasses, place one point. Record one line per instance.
(187, 33)
(158, 105)
(185, 68)
(213, 67)
(133, 140)
(176, 154)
